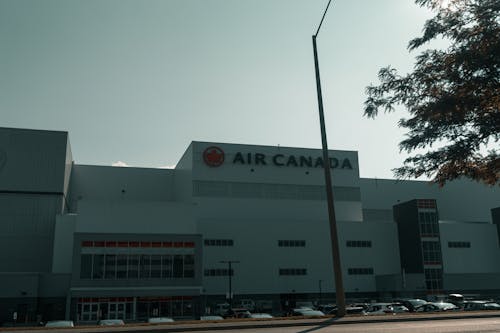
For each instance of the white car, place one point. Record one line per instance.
(60, 323)
(158, 320)
(436, 307)
(111, 322)
(385, 308)
(261, 315)
(307, 312)
(211, 318)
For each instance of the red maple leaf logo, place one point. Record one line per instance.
(213, 156)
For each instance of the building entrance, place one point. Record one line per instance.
(95, 309)
(117, 310)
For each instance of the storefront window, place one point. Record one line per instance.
(98, 266)
(86, 266)
(178, 266)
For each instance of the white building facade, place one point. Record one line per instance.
(88, 242)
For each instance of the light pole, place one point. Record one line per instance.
(337, 270)
(319, 283)
(229, 274)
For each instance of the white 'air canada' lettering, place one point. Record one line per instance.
(290, 161)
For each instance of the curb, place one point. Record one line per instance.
(260, 324)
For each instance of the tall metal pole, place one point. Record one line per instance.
(229, 263)
(337, 269)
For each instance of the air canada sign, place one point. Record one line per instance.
(214, 156)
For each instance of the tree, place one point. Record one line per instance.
(452, 95)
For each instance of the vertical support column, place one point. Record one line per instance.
(67, 312)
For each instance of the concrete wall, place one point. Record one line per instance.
(256, 239)
(134, 217)
(26, 231)
(483, 256)
(106, 183)
(462, 200)
(32, 189)
(33, 160)
(62, 257)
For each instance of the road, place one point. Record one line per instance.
(481, 325)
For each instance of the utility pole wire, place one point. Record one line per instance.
(320, 23)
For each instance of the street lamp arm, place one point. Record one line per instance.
(324, 14)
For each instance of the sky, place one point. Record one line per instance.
(135, 81)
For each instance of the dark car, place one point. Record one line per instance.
(411, 303)
(436, 307)
(480, 305)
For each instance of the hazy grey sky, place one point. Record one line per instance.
(138, 80)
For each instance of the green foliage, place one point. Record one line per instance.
(452, 95)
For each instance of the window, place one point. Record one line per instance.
(155, 266)
(188, 266)
(178, 266)
(121, 267)
(431, 252)
(360, 271)
(98, 267)
(145, 266)
(359, 243)
(134, 266)
(219, 242)
(293, 271)
(459, 244)
(217, 272)
(110, 266)
(433, 278)
(429, 226)
(166, 264)
(86, 266)
(291, 243)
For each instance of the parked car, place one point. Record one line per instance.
(60, 323)
(221, 308)
(158, 320)
(480, 305)
(411, 303)
(237, 313)
(385, 308)
(110, 322)
(261, 315)
(330, 309)
(211, 318)
(436, 307)
(248, 304)
(307, 312)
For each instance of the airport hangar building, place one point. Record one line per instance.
(86, 242)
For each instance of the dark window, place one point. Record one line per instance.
(86, 266)
(166, 266)
(218, 242)
(359, 243)
(121, 267)
(178, 266)
(360, 271)
(133, 267)
(145, 267)
(98, 267)
(459, 244)
(110, 266)
(291, 243)
(189, 266)
(292, 271)
(217, 272)
(155, 266)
